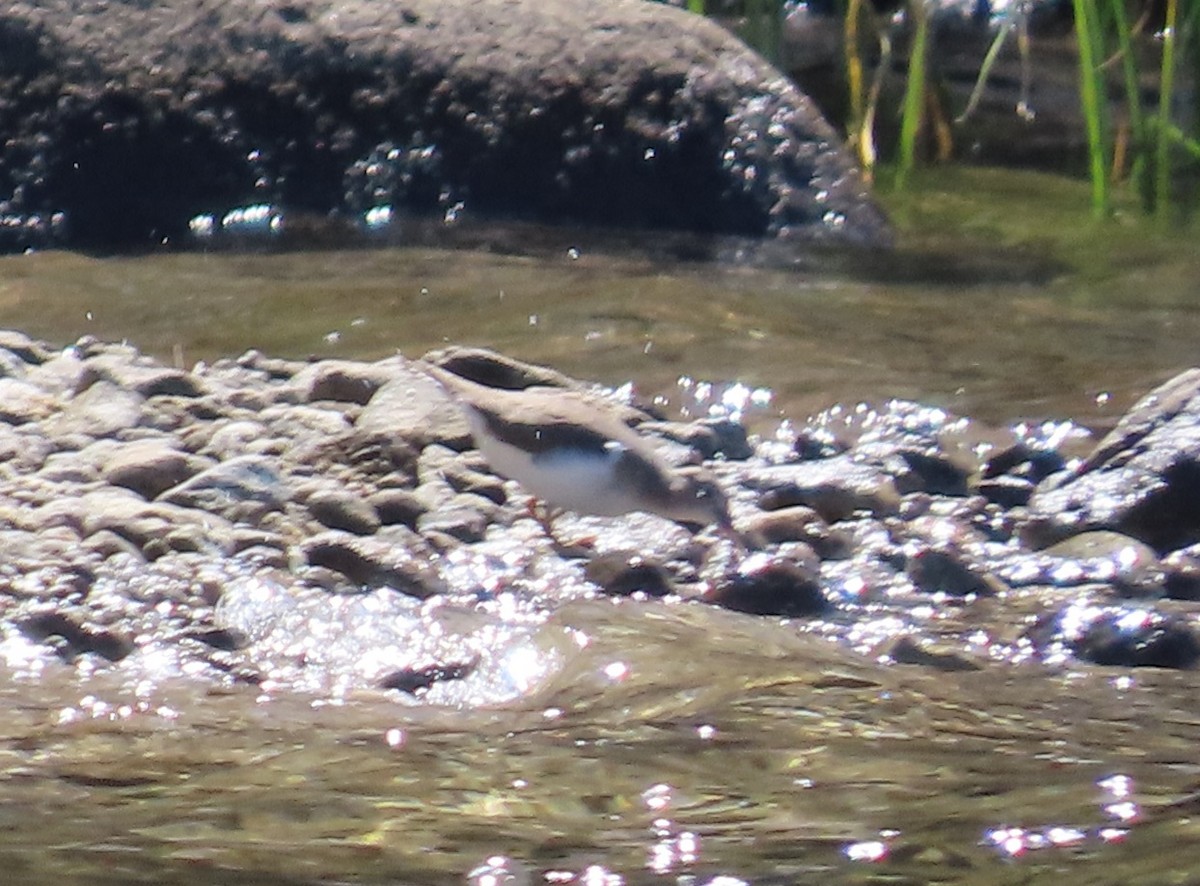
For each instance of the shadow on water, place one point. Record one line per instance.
(684, 741)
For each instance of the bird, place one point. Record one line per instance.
(574, 453)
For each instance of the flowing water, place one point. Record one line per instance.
(684, 744)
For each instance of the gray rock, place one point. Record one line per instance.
(242, 490)
(625, 573)
(69, 467)
(227, 440)
(619, 113)
(771, 585)
(304, 422)
(410, 568)
(22, 402)
(1142, 480)
(797, 523)
(142, 375)
(23, 450)
(102, 410)
(22, 346)
(150, 467)
(339, 509)
(413, 407)
(835, 487)
(61, 373)
(342, 380)
(401, 507)
(944, 569)
(465, 523)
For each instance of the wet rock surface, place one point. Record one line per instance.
(275, 523)
(324, 118)
(1143, 479)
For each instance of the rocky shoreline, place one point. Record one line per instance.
(326, 527)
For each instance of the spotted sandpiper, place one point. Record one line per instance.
(573, 452)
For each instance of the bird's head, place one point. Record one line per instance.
(697, 499)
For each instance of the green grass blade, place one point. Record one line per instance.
(1162, 156)
(1094, 102)
(1138, 134)
(914, 93)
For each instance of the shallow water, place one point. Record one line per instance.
(684, 742)
(1002, 308)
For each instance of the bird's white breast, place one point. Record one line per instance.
(577, 481)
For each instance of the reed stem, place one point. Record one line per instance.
(1162, 156)
(1094, 102)
(914, 93)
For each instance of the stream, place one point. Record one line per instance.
(682, 744)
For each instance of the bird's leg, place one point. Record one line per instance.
(545, 515)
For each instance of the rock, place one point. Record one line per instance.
(372, 459)
(1181, 577)
(457, 519)
(60, 374)
(946, 570)
(23, 450)
(624, 573)
(797, 524)
(1006, 491)
(107, 543)
(835, 488)
(1135, 638)
(76, 638)
(141, 375)
(150, 467)
(905, 650)
(398, 507)
(22, 402)
(409, 568)
(103, 409)
(146, 525)
(70, 467)
(1023, 461)
(419, 680)
(342, 380)
(620, 113)
(767, 585)
(23, 347)
(339, 509)
(228, 440)
(242, 490)
(1131, 566)
(414, 408)
(1142, 480)
(461, 476)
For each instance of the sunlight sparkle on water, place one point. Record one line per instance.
(597, 875)
(1015, 842)
(672, 852)
(657, 798)
(616, 671)
(731, 400)
(499, 870)
(867, 850)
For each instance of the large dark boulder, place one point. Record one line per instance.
(123, 119)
